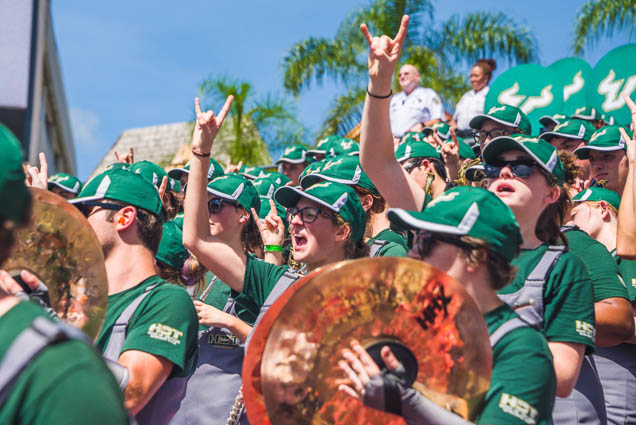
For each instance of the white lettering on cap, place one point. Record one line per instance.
(103, 187)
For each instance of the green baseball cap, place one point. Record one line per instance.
(214, 170)
(171, 250)
(149, 171)
(14, 192)
(555, 119)
(336, 197)
(506, 115)
(596, 194)
(571, 129)
(606, 139)
(475, 173)
(294, 154)
(124, 186)
(587, 113)
(342, 169)
(412, 135)
(267, 185)
(117, 166)
(541, 151)
(415, 149)
(235, 187)
(66, 182)
(466, 211)
(465, 151)
(343, 146)
(252, 172)
(608, 119)
(313, 168)
(322, 145)
(443, 130)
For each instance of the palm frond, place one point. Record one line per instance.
(344, 113)
(484, 34)
(276, 119)
(602, 17)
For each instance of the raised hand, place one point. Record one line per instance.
(162, 188)
(272, 229)
(207, 126)
(128, 158)
(631, 143)
(384, 51)
(450, 154)
(38, 177)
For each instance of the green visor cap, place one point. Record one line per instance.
(342, 169)
(117, 166)
(595, 194)
(323, 144)
(466, 211)
(66, 182)
(506, 115)
(150, 171)
(555, 119)
(587, 113)
(571, 129)
(214, 170)
(171, 250)
(336, 197)
(412, 135)
(541, 151)
(475, 173)
(313, 168)
(266, 208)
(235, 187)
(343, 146)
(606, 139)
(267, 185)
(415, 149)
(15, 195)
(252, 172)
(443, 130)
(124, 186)
(295, 154)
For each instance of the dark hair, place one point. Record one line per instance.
(377, 207)
(173, 204)
(487, 66)
(500, 270)
(149, 226)
(548, 228)
(252, 237)
(168, 273)
(438, 164)
(352, 250)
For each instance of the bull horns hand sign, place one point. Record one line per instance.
(384, 51)
(207, 125)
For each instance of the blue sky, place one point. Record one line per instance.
(138, 63)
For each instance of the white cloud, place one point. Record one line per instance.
(85, 125)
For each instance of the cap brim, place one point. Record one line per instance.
(502, 144)
(291, 161)
(550, 134)
(248, 176)
(66, 189)
(220, 194)
(584, 151)
(176, 173)
(85, 199)
(288, 197)
(478, 121)
(310, 180)
(407, 220)
(547, 119)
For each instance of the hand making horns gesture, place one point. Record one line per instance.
(207, 125)
(384, 51)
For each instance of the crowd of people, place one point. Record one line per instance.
(538, 229)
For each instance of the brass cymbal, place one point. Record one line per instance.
(61, 249)
(290, 370)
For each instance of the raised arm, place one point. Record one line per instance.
(217, 256)
(376, 140)
(626, 236)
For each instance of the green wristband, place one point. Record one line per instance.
(273, 248)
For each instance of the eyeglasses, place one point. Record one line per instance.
(307, 214)
(215, 205)
(482, 135)
(86, 208)
(521, 168)
(425, 240)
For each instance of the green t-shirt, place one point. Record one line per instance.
(218, 296)
(66, 384)
(523, 383)
(164, 324)
(395, 245)
(628, 271)
(568, 297)
(601, 267)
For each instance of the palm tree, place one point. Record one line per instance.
(437, 50)
(602, 17)
(257, 124)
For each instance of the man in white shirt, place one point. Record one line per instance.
(415, 107)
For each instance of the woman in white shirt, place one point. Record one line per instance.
(472, 102)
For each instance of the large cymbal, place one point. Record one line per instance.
(60, 247)
(290, 370)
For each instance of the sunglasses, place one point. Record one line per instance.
(215, 205)
(307, 214)
(521, 168)
(425, 241)
(482, 135)
(86, 208)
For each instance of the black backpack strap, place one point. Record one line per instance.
(118, 334)
(505, 329)
(29, 344)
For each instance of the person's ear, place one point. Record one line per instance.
(367, 202)
(605, 211)
(482, 257)
(125, 217)
(343, 233)
(244, 217)
(553, 195)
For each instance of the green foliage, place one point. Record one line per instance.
(436, 49)
(602, 17)
(256, 123)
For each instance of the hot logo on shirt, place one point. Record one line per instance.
(585, 329)
(165, 333)
(223, 341)
(518, 408)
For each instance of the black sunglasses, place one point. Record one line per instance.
(521, 168)
(87, 207)
(215, 205)
(425, 240)
(307, 214)
(482, 135)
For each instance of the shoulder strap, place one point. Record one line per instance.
(284, 282)
(118, 334)
(376, 246)
(545, 265)
(505, 329)
(29, 343)
(569, 227)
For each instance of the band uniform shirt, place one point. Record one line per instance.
(568, 297)
(66, 384)
(523, 382)
(165, 324)
(469, 106)
(628, 272)
(423, 104)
